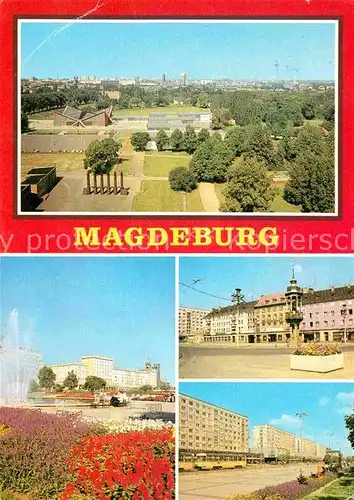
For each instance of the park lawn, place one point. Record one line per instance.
(65, 162)
(125, 165)
(341, 489)
(280, 205)
(194, 202)
(164, 109)
(219, 188)
(163, 154)
(157, 196)
(161, 167)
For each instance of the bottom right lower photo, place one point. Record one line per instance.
(266, 440)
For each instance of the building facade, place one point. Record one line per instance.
(204, 427)
(99, 366)
(191, 326)
(322, 315)
(62, 371)
(125, 378)
(274, 442)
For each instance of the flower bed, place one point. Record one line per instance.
(292, 490)
(317, 357)
(317, 349)
(130, 424)
(134, 465)
(34, 449)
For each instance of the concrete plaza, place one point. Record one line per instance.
(263, 362)
(218, 485)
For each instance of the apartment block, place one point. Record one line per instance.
(191, 324)
(205, 427)
(270, 440)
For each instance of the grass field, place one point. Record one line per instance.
(65, 162)
(156, 196)
(125, 165)
(165, 109)
(163, 154)
(155, 166)
(341, 489)
(194, 203)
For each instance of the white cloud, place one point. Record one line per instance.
(324, 401)
(298, 268)
(286, 421)
(345, 410)
(345, 398)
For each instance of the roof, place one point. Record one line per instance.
(212, 404)
(79, 115)
(229, 309)
(271, 300)
(328, 295)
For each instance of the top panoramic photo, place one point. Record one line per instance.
(198, 117)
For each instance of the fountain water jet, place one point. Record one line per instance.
(18, 364)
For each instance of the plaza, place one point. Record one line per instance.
(252, 361)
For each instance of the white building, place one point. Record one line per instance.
(191, 322)
(62, 370)
(127, 378)
(99, 366)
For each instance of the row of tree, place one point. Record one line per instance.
(47, 378)
(41, 101)
(178, 141)
(308, 157)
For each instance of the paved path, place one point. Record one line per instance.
(138, 163)
(208, 196)
(217, 485)
(269, 362)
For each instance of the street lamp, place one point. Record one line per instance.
(237, 298)
(329, 434)
(343, 313)
(301, 415)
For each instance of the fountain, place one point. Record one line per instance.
(18, 364)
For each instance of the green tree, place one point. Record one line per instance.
(349, 423)
(249, 188)
(308, 110)
(203, 135)
(71, 380)
(93, 383)
(190, 140)
(24, 123)
(203, 100)
(46, 377)
(139, 140)
(182, 179)
(211, 161)
(103, 103)
(220, 118)
(312, 181)
(235, 139)
(162, 140)
(101, 156)
(329, 114)
(176, 140)
(145, 388)
(259, 144)
(33, 387)
(164, 386)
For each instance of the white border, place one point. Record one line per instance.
(176, 214)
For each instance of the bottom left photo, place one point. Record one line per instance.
(87, 374)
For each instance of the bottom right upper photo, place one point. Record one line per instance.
(266, 441)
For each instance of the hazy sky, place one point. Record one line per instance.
(256, 276)
(109, 306)
(276, 404)
(202, 50)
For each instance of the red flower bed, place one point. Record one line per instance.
(133, 465)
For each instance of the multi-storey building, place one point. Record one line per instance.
(191, 326)
(272, 441)
(328, 315)
(99, 366)
(321, 451)
(125, 378)
(62, 371)
(306, 448)
(204, 427)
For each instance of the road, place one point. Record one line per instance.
(270, 361)
(217, 485)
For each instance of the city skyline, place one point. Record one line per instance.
(255, 276)
(239, 50)
(325, 405)
(75, 306)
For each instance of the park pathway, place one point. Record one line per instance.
(208, 196)
(137, 166)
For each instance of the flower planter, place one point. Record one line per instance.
(319, 364)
